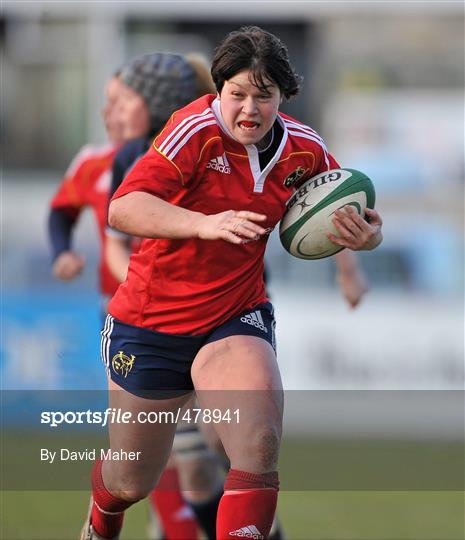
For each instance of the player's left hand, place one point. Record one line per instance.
(355, 232)
(68, 265)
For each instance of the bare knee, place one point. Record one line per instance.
(132, 491)
(132, 485)
(133, 495)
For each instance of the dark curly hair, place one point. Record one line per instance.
(262, 53)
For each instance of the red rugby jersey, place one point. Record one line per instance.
(191, 286)
(87, 183)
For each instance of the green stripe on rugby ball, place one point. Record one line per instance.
(356, 182)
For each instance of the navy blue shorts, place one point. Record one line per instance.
(156, 365)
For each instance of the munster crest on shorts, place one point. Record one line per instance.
(295, 176)
(122, 363)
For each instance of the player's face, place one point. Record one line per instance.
(134, 114)
(248, 111)
(110, 111)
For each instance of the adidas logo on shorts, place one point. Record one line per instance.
(220, 164)
(255, 319)
(248, 532)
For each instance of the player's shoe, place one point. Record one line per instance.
(87, 532)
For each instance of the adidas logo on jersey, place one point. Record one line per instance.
(255, 319)
(220, 164)
(248, 532)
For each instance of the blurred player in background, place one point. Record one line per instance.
(144, 104)
(86, 184)
(181, 314)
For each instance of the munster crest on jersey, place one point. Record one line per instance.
(295, 176)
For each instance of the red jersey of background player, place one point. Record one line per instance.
(196, 164)
(87, 183)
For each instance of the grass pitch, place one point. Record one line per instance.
(353, 510)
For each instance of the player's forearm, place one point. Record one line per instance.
(60, 226)
(142, 214)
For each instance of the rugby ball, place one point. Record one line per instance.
(309, 213)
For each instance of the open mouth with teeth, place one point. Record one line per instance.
(246, 125)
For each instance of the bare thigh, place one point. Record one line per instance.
(151, 442)
(239, 376)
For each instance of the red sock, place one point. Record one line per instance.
(108, 511)
(248, 505)
(177, 519)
